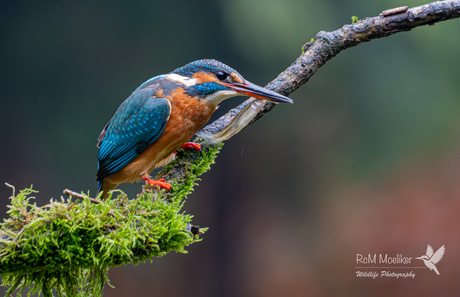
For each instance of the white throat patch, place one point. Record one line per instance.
(218, 97)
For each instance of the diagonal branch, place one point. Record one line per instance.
(327, 45)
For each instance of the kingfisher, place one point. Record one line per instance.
(161, 115)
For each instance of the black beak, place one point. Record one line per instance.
(252, 90)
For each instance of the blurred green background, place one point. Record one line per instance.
(366, 161)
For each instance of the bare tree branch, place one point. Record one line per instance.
(327, 45)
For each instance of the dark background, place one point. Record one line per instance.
(365, 162)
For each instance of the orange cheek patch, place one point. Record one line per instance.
(179, 95)
(236, 78)
(203, 77)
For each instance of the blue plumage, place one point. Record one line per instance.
(205, 89)
(138, 123)
(193, 92)
(206, 65)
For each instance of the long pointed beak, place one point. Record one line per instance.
(252, 90)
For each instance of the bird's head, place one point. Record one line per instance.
(213, 82)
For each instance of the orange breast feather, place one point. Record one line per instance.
(188, 115)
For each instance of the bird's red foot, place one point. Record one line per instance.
(154, 182)
(191, 145)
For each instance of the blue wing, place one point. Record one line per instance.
(138, 123)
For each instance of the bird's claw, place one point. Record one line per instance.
(191, 145)
(160, 182)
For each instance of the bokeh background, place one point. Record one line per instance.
(366, 161)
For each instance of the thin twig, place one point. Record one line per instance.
(81, 196)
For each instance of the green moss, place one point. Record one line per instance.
(307, 45)
(69, 245)
(354, 19)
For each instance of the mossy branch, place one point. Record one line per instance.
(69, 245)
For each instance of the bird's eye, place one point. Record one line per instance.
(221, 75)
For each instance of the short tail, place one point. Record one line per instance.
(105, 187)
(99, 187)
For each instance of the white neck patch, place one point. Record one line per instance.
(186, 81)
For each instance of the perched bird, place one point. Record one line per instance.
(431, 258)
(161, 115)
